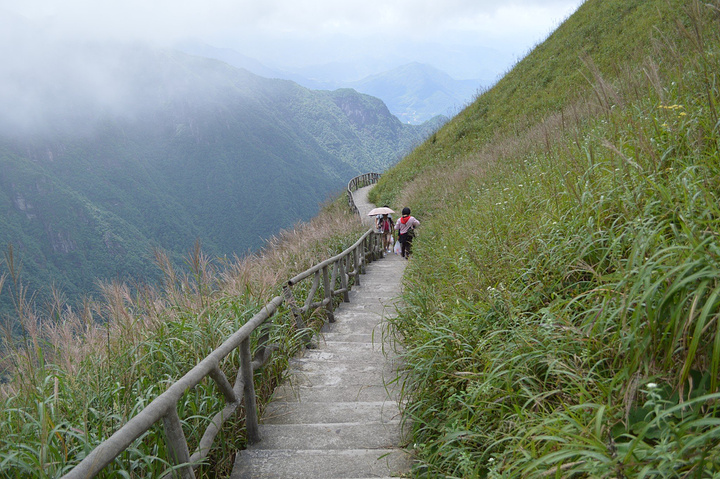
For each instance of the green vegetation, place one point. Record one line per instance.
(193, 149)
(416, 92)
(563, 304)
(77, 375)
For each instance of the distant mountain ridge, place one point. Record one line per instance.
(126, 149)
(414, 92)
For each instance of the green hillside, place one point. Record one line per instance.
(166, 149)
(72, 376)
(417, 92)
(563, 300)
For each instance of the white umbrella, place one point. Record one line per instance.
(380, 211)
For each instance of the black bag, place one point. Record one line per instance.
(406, 237)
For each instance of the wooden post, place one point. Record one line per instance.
(334, 277)
(251, 416)
(177, 444)
(223, 384)
(364, 255)
(344, 279)
(311, 293)
(262, 344)
(328, 295)
(298, 314)
(356, 260)
(369, 250)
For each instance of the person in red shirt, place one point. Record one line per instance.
(406, 226)
(386, 227)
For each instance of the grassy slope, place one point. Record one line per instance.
(564, 294)
(81, 374)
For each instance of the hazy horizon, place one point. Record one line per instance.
(468, 39)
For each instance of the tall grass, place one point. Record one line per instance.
(563, 311)
(76, 376)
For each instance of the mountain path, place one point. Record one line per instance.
(337, 414)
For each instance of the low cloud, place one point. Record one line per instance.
(417, 20)
(55, 54)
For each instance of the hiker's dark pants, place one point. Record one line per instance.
(405, 245)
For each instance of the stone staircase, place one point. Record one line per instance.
(337, 414)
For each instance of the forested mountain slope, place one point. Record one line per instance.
(564, 295)
(413, 92)
(416, 92)
(110, 151)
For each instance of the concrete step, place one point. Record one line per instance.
(337, 412)
(371, 393)
(377, 311)
(320, 464)
(337, 374)
(355, 305)
(358, 435)
(349, 336)
(360, 326)
(376, 296)
(372, 349)
(348, 352)
(377, 329)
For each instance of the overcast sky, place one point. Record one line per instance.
(466, 38)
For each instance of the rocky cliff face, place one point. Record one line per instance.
(361, 110)
(60, 241)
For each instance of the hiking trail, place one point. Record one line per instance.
(337, 415)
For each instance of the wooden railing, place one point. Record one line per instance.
(333, 277)
(358, 182)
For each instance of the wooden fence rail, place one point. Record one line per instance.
(358, 182)
(333, 277)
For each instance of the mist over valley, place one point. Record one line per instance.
(414, 92)
(111, 150)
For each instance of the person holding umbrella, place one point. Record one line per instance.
(384, 225)
(406, 228)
